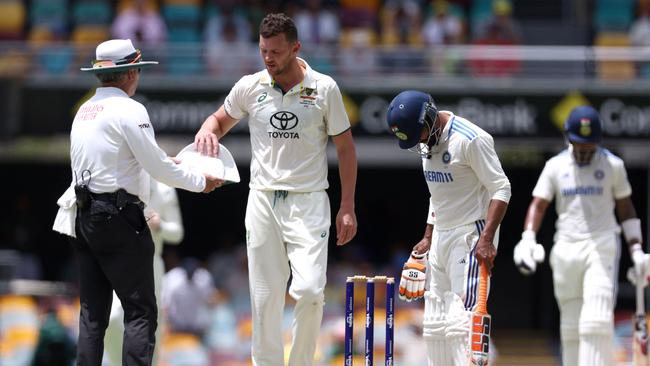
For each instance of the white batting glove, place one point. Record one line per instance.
(528, 253)
(638, 258)
(644, 273)
(411, 285)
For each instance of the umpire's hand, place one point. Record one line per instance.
(211, 183)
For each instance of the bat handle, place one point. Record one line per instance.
(640, 298)
(481, 305)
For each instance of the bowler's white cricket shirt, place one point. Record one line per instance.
(584, 195)
(463, 175)
(289, 131)
(113, 139)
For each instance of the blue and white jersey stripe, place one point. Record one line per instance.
(471, 285)
(458, 125)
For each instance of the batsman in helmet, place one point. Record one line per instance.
(469, 195)
(589, 184)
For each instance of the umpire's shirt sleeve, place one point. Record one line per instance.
(139, 135)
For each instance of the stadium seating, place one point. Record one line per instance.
(613, 15)
(614, 70)
(12, 20)
(18, 329)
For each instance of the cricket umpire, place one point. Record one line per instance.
(113, 156)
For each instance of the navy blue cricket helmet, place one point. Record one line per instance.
(407, 114)
(583, 125)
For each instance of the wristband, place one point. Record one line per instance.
(632, 229)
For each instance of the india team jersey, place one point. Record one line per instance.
(463, 175)
(585, 195)
(289, 131)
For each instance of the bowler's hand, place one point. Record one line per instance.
(211, 183)
(346, 225)
(206, 142)
(485, 252)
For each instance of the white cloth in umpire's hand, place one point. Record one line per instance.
(528, 253)
(411, 285)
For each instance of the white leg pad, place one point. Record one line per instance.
(596, 331)
(596, 350)
(457, 329)
(597, 315)
(433, 330)
(569, 315)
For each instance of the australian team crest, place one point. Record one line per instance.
(308, 96)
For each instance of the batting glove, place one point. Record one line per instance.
(411, 286)
(528, 253)
(642, 272)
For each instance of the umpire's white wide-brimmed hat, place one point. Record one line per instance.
(117, 55)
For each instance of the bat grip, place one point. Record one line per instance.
(640, 300)
(481, 306)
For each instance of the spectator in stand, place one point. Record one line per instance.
(640, 28)
(317, 25)
(401, 26)
(493, 67)
(442, 27)
(141, 23)
(231, 54)
(640, 34)
(356, 56)
(228, 14)
(187, 293)
(359, 13)
(401, 23)
(500, 26)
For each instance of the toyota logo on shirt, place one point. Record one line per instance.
(284, 121)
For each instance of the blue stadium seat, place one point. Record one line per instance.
(181, 15)
(613, 15)
(92, 12)
(49, 13)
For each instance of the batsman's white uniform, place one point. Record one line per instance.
(585, 255)
(164, 201)
(463, 176)
(288, 211)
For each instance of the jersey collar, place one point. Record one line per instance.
(447, 130)
(309, 81)
(110, 91)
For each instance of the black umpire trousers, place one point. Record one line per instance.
(114, 251)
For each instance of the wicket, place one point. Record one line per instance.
(370, 317)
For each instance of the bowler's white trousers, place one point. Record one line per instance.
(286, 235)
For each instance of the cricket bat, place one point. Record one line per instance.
(479, 332)
(640, 339)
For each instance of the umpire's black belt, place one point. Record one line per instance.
(119, 198)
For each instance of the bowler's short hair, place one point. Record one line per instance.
(276, 24)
